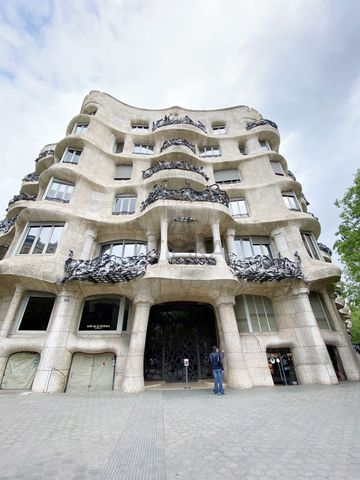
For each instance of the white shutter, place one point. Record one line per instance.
(227, 175)
(123, 172)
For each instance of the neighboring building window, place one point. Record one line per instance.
(254, 314)
(219, 129)
(247, 247)
(264, 145)
(311, 245)
(277, 168)
(140, 128)
(124, 248)
(80, 128)
(123, 172)
(37, 312)
(291, 201)
(124, 205)
(210, 151)
(41, 239)
(119, 147)
(238, 208)
(143, 149)
(242, 149)
(227, 176)
(61, 191)
(71, 155)
(104, 314)
(320, 311)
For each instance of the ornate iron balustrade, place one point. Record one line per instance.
(178, 165)
(54, 199)
(313, 215)
(170, 120)
(210, 194)
(305, 199)
(6, 224)
(192, 261)
(291, 175)
(258, 123)
(45, 153)
(109, 268)
(262, 268)
(325, 249)
(31, 177)
(178, 141)
(22, 196)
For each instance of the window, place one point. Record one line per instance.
(60, 191)
(140, 128)
(37, 312)
(277, 168)
(104, 314)
(41, 239)
(242, 149)
(124, 248)
(124, 205)
(247, 247)
(238, 208)
(311, 245)
(71, 155)
(320, 311)
(143, 149)
(254, 314)
(123, 172)
(119, 147)
(219, 130)
(227, 176)
(80, 128)
(264, 145)
(291, 201)
(211, 151)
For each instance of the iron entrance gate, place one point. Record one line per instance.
(175, 332)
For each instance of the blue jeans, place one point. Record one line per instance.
(218, 386)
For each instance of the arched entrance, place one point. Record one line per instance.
(177, 331)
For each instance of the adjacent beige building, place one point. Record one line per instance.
(146, 236)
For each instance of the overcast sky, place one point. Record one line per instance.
(296, 62)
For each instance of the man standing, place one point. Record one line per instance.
(217, 368)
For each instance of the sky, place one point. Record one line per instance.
(297, 62)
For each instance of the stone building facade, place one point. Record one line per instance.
(143, 237)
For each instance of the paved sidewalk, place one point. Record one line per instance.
(300, 432)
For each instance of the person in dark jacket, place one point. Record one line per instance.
(215, 359)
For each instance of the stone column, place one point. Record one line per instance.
(252, 146)
(230, 241)
(55, 358)
(164, 251)
(90, 236)
(134, 370)
(199, 242)
(10, 317)
(151, 241)
(279, 238)
(237, 372)
(215, 228)
(296, 319)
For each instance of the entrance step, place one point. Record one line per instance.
(200, 385)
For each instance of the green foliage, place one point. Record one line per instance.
(355, 330)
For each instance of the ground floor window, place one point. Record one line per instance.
(90, 373)
(320, 311)
(20, 371)
(281, 366)
(336, 362)
(37, 312)
(104, 314)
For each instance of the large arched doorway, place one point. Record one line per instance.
(177, 331)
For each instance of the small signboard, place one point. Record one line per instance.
(186, 362)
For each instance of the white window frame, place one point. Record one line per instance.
(80, 128)
(210, 151)
(140, 128)
(143, 149)
(120, 320)
(243, 203)
(118, 167)
(231, 172)
(254, 241)
(73, 155)
(124, 212)
(277, 168)
(248, 316)
(59, 182)
(324, 310)
(21, 311)
(219, 129)
(137, 244)
(288, 203)
(311, 245)
(24, 234)
(265, 145)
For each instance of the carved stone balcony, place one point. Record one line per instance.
(170, 120)
(45, 153)
(21, 196)
(31, 177)
(178, 142)
(109, 268)
(258, 123)
(6, 225)
(177, 165)
(262, 268)
(325, 249)
(210, 194)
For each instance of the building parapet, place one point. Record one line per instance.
(45, 153)
(258, 123)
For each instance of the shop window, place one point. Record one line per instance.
(104, 314)
(254, 313)
(41, 239)
(37, 313)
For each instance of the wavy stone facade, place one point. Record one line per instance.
(137, 215)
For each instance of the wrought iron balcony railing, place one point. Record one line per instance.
(6, 225)
(45, 153)
(210, 194)
(258, 123)
(178, 141)
(21, 196)
(31, 177)
(170, 120)
(177, 165)
(325, 249)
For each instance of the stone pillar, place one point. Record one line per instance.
(237, 372)
(134, 370)
(199, 242)
(215, 228)
(279, 238)
(151, 241)
(252, 145)
(10, 317)
(164, 251)
(86, 253)
(296, 319)
(230, 241)
(55, 358)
